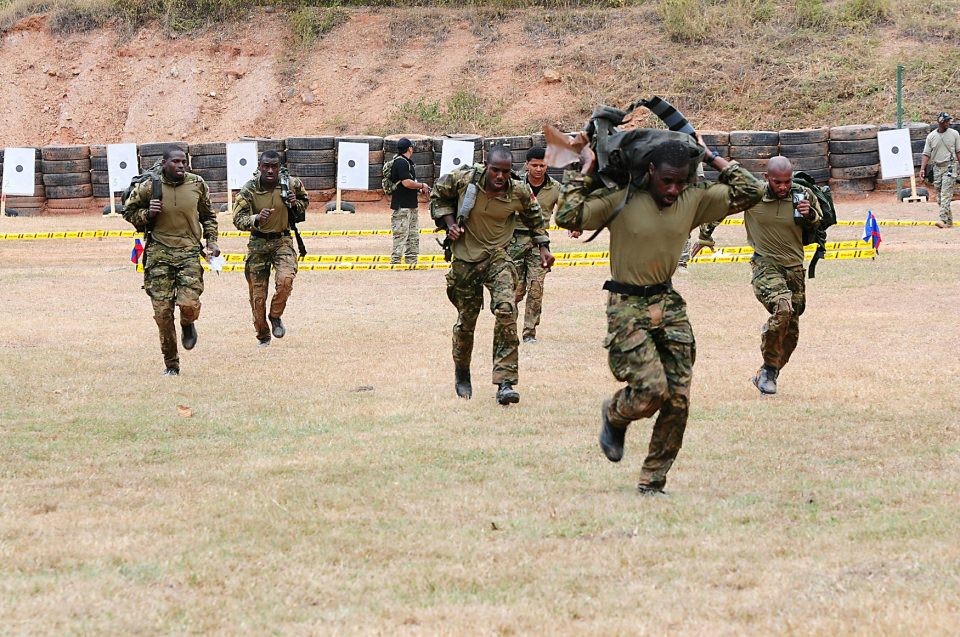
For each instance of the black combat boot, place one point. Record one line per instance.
(506, 394)
(766, 380)
(611, 438)
(171, 371)
(277, 324)
(188, 336)
(461, 382)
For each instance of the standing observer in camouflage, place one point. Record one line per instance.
(775, 232)
(173, 224)
(404, 221)
(649, 339)
(267, 206)
(943, 149)
(479, 206)
(530, 271)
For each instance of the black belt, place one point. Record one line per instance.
(524, 231)
(637, 290)
(269, 235)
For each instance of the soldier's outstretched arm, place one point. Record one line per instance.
(583, 206)
(737, 190)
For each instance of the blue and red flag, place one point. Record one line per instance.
(136, 252)
(871, 230)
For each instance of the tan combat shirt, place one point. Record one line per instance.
(279, 220)
(772, 231)
(185, 205)
(942, 148)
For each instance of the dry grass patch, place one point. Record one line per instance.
(291, 502)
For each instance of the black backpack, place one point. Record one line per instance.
(152, 173)
(817, 235)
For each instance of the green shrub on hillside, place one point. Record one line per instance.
(310, 23)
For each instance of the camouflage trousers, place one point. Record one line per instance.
(530, 278)
(781, 290)
(651, 348)
(172, 276)
(944, 180)
(465, 283)
(262, 254)
(406, 235)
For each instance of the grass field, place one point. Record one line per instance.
(291, 502)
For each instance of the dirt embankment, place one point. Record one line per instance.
(515, 71)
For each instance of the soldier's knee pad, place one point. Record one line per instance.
(189, 311)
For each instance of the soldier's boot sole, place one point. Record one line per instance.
(611, 438)
(188, 337)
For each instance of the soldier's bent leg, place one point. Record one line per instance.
(412, 250)
(795, 281)
(189, 287)
(634, 359)
(163, 315)
(771, 289)
(534, 305)
(399, 223)
(502, 283)
(285, 271)
(465, 291)
(944, 179)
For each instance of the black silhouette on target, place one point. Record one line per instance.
(895, 150)
(352, 163)
(456, 161)
(243, 161)
(123, 165)
(19, 169)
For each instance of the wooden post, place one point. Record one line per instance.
(338, 210)
(113, 205)
(229, 199)
(3, 204)
(914, 198)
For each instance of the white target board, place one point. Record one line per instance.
(455, 154)
(353, 166)
(18, 177)
(896, 156)
(122, 165)
(241, 163)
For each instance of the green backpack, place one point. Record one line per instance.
(817, 235)
(388, 184)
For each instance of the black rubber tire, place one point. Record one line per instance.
(208, 148)
(715, 137)
(804, 136)
(64, 153)
(99, 163)
(855, 172)
(98, 150)
(267, 143)
(159, 148)
(376, 157)
(853, 132)
(101, 190)
(513, 142)
(208, 161)
(211, 174)
(66, 179)
(69, 192)
(437, 142)
(854, 146)
(345, 206)
(754, 165)
(821, 176)
(918, 130)
(420, 143)
(312, 170)
(374, 142)
(424, 171)
(26, 202)
(375, 171)
(754, 152)
(424, 157)
(146, 161)
(81, 203)
(311, 143)
(853, 186)
(906, 192)
(319, 183)
(813, 149)
(806, 164)
(217, 185)
(60, 167)
(312, 156)
(854, 159)
(754, 138)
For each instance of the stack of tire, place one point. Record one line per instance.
(375, 172)
(209, 160)
(422, 159)
(462, 137)
(518, 145)
(66, 178)
(854, 158)
(807, 149)
(719, 144)
(753, 148)
(313, 160)
(152, 152)
(27, 206)
(99, 176)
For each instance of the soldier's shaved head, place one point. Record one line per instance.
(499, 152)
(269, 155)
(779, 176)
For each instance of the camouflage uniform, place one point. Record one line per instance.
(480, 260)
(172, 273)
(649, 339)
(778, 277)
(530, 271)
(405, 224)
(270, 245)
(942, 150)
